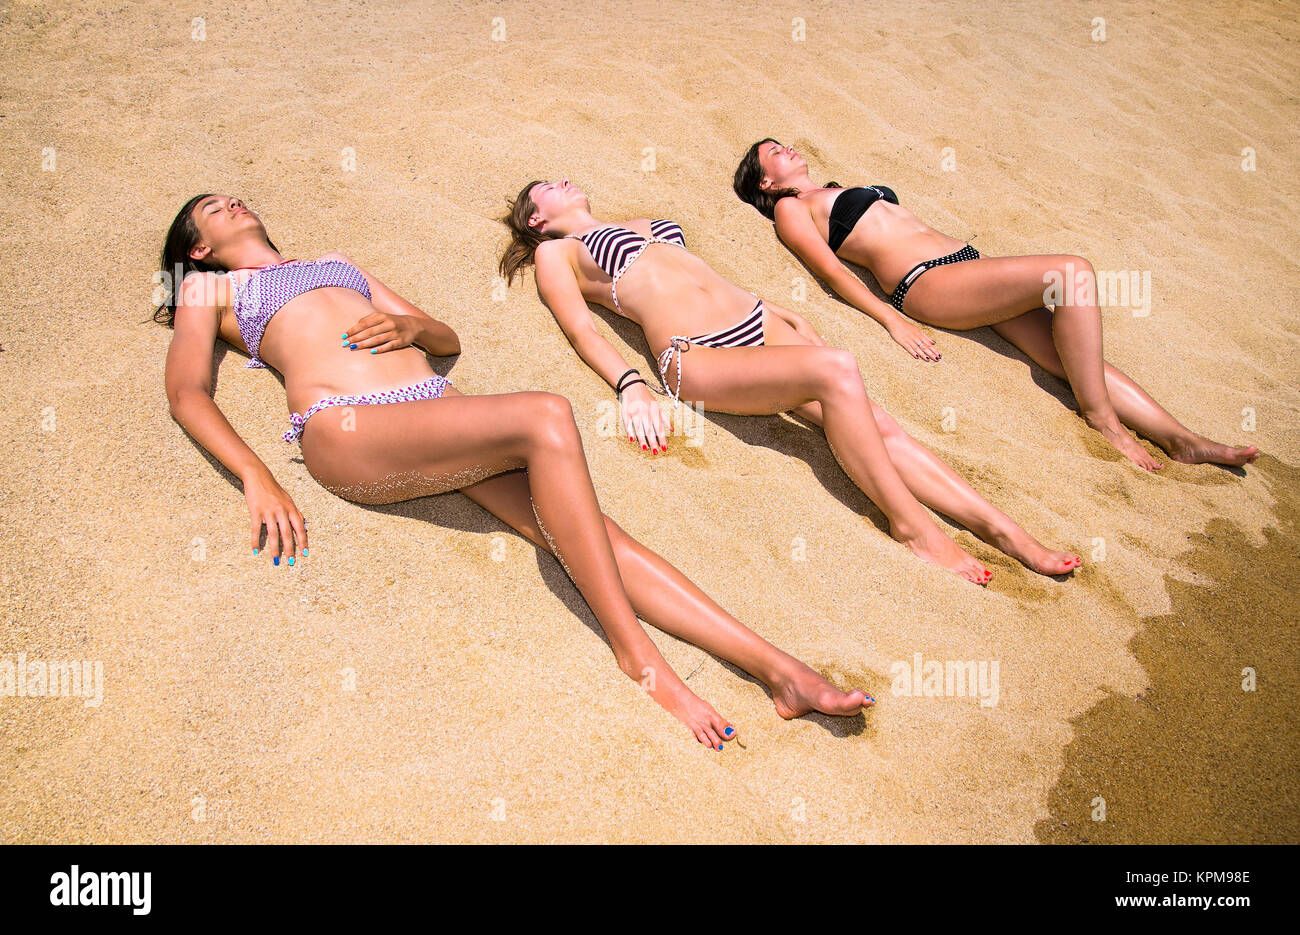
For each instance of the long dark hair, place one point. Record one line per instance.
(524, 240)
(177, 262)
(748, 176)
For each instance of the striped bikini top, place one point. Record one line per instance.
(264, 293)
(616, 248)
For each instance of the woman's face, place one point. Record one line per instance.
(221, 219)
(554, 199)
(780, 164)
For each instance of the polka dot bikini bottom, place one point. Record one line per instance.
(965, 253)
(431, 388)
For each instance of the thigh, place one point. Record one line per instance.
(777, 331)
(761, 380)
(980, 292)
(386, 453)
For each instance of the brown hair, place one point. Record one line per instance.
(177, 262)
(524, 240)
(748, 176)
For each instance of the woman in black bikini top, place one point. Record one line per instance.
(867, 226)
(754, 358)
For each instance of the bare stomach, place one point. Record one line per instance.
(303, 341)
(678, 293)
(890, 241)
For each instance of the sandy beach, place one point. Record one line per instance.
(427, 674)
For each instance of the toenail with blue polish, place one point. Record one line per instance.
(353, 346)
(719, 747)
(374, 350)
(254, 551)
(290, 559)
(345, 337)
(276, 560)
(304, 553)
(729, 731)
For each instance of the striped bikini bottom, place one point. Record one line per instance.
(431, 388)
(747, 333)
(896, 297)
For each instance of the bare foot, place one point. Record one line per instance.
(1031, 553)
(709, 727)
(1126, 445)
(799, 690)
(1197, 449)
(934, 547)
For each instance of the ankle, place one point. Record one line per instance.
(1102, 421)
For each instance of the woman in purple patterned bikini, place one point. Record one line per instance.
(377, 425)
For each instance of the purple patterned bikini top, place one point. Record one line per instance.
(264, 293)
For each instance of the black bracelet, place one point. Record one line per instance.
(632, 383)
(618, 384)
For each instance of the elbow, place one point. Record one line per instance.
(180, 402)
(450, 344)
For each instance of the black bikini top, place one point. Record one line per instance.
(849, 206)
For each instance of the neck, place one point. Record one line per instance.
(579, 219)
(249, 253)
(800, 184)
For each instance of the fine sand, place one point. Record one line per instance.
(427, 675)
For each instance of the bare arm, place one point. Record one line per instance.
(557, 282)
(188, 379)
(397, 323)
(795, 227)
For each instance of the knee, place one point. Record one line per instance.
(885, 423)
(618, 537)
(550, 419)
(1077, 264)
(838, 373)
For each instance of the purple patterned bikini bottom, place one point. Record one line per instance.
(431, 388)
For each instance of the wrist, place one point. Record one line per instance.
(629, 378)
(254, 474)
(891, 321)
(423, 335)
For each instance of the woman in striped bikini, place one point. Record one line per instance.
(752, 358)
(379, 426)
(866, 225)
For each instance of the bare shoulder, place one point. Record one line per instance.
(556, 250)
(335, 255)
(790, 209)
(203, 289)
